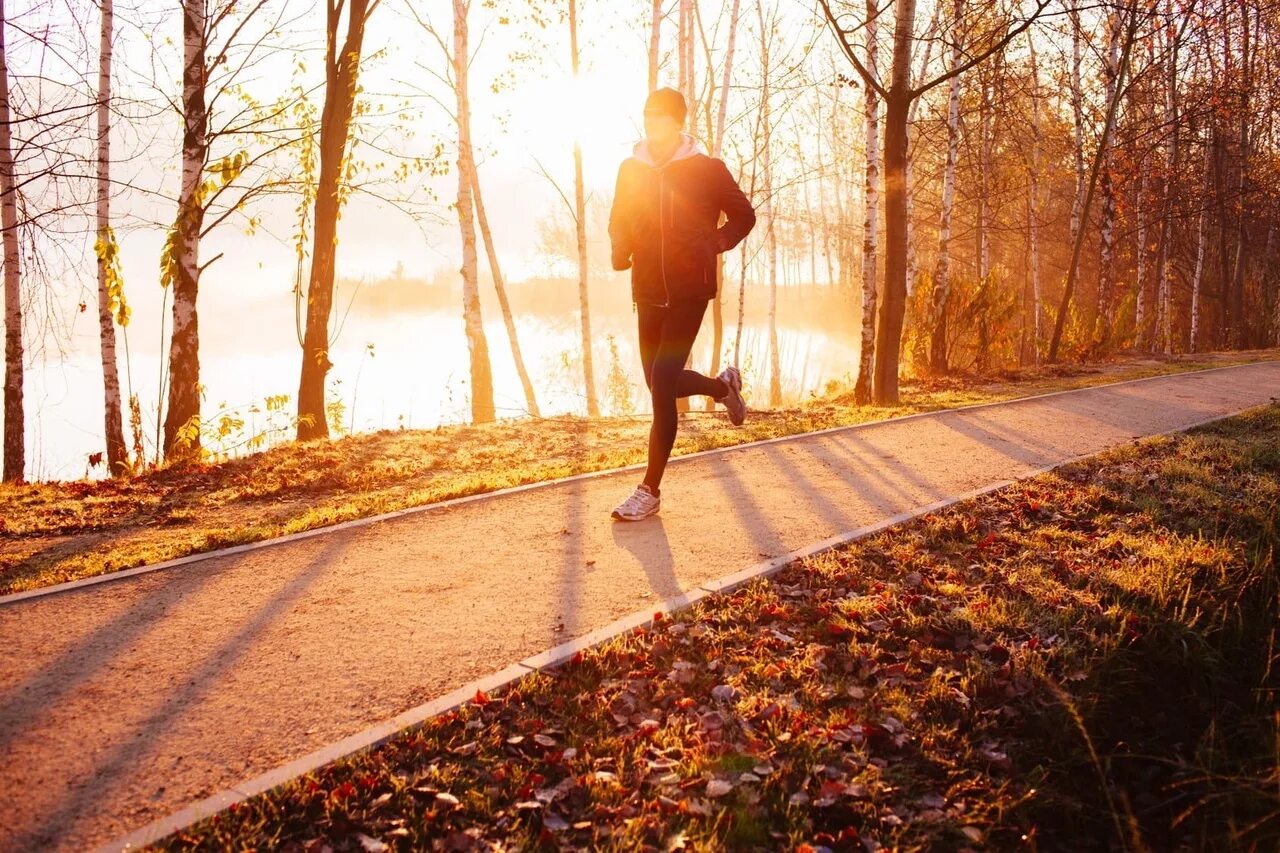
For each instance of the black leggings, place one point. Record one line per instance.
(666, 337)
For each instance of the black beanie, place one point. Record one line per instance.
(667, 100)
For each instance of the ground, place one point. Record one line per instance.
(55, 532)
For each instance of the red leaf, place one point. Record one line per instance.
(481, 698)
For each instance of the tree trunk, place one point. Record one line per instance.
(580, 217)
(1073, 269)
(1077, 112)
(109, 293)
(1198, 274)
(893, 308)
(482, 407)
(655, 40)
(1033, 206)
(14, 418)
(1102, 308)
(342, 68)
(871, 211)
(717, 310)
(984, 219)
(182, 420)
(1236, 331)
(1172, 153)
(942, 267)
(499, 285)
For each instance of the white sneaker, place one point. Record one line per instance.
(642, 504)
(733, 400)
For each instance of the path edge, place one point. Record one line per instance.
(122, 574)
(381, 732)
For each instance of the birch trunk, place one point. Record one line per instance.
(942, 268)
(580, 216)
(182, 420)
(984, 218)
(655, 41)
(871, 209)
(1102, 325)
(1033, 206)
(112, 409)
(14, 418)
(1140, 273)
(1077, 113)
(499, 285)
(913, 268)
(771, 239)
(1172, 153)
(1197, 276)
(717, 315)
(482, 407)
(1236, 331)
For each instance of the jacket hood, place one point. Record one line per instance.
(688, 146)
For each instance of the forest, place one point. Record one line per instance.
(971, 185)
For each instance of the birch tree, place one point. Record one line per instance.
(110, 292)
(871, 210)
(942, 265)
(580, 220)
(14, 414)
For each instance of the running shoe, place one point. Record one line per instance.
(733, 400)
(642, 504)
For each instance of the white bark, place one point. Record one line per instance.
(1110, 70)
(499, 285)
(655, 40)
(14, 419)
(482, 407)
(942, 268)
(871, 210)
(1077, 112)
(1033, 206)
(113, 414)
(1198, 274)
(580, 219)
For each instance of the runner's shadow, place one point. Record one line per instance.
(647, 542)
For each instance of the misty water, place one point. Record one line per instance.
(408, 367)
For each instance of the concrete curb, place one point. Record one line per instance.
(122, 574)
(381, 732)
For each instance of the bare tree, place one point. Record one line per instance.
(580, 220)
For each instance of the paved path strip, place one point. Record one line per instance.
(123, 702)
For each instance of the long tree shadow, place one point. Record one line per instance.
(23, 704)
(873, 462)
(113, 764)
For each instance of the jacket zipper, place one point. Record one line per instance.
(662, 237)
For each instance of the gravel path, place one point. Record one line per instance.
(124, 701)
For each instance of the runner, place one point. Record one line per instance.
(663, 226)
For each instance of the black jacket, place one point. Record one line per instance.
(663, 223)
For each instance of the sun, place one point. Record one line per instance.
(594, 109)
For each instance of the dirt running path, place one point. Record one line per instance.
(125, 701)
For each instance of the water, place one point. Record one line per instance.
(416, 376)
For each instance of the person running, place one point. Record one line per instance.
(663, 226)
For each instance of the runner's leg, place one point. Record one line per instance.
(668, 380)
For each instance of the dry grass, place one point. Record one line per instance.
(55, 532)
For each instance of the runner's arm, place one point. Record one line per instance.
(740, 216)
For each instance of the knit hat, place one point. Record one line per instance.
(667, 101)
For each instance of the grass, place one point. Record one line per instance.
(1084, 661)
(61, 531)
